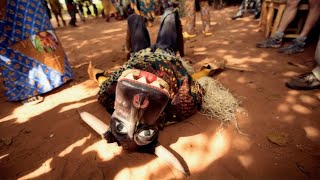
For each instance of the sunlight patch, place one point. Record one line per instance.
(311, 132)
(245, 160)
(112, 30)
(43, 169)
(70, 95)
(301, 109)
(105, 151)
(3, 156)
(8, 118)
(289, 118)
(76, 105)
(200, 49)
(74, 145)
(193, 150)
(283, 108)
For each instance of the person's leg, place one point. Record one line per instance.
(310, 80)
(298, 44)
(289, 14)
(137, 34)
(240, 13)
(107, 10)
(257, 8)
(313, 16)
(63, 21)
(57, 19)
(170, 32)
(316, 70)
(190, 19)
(73, 19)
(205, 17)
(121, 11)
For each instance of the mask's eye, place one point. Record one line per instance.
(146, 133)
(121, 128)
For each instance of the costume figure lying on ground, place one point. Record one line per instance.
(152, 89)
(32, 60)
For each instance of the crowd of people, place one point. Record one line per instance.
(121, 9)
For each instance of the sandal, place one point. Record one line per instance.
(207, 33)
(187, 35)
(33, 100)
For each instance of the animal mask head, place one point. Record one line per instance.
(140, 99)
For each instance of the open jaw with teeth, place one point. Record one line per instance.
(146, 78)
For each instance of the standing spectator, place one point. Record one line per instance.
(297, 45)
(145, 8)
(72, 10)
(108, 9)
(121, 6)
(47, 9)
(254, 4)
(56, 9)
(309, 80)
(88, 9)
(81, 11)
(191, 18)
(95, 10)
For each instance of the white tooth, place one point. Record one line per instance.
(155, 83)
(130, 76)
(142, 79)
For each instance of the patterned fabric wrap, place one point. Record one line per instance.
(191, 17)
(145, 8)
(32, 60)
(185, 94)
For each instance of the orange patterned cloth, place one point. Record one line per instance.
(191, 16)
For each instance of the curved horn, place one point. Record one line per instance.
(166, 155)
(95, 123)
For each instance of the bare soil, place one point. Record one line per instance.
(49, 141)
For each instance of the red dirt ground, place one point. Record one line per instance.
(49, 141)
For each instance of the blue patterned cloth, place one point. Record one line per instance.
(144, 7)
(25, 76)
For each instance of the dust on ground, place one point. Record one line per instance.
(49, 141)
